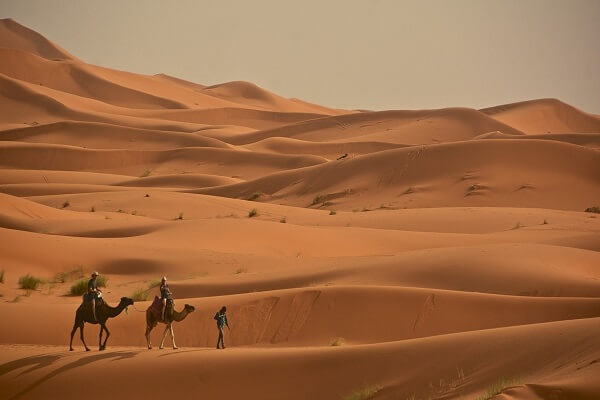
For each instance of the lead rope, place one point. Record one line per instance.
(134, 307)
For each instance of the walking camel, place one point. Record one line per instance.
(103, 313)
(153, 318)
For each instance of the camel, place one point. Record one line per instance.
(103, 313)
(170, 316)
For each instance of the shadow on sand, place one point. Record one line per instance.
(42, 361)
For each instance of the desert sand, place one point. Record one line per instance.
(401, 254)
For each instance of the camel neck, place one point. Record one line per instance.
(180, 316)
(114, 311)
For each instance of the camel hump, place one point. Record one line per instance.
(156, 305)
(156, 308)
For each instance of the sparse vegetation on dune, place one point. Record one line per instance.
(2, 276)
(364, 393)
(253, 196)
(29, 282)
(498, 387)
(80, 286)
(594, 209)
(153, 283)
(66, 204)
(318, 199)
(252, 213)
(63, 277)
(338, 341)
(140, 294)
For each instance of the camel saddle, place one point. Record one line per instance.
(156, 307)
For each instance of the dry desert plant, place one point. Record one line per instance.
(365, 393)
(498, 387)
(140, 295)
(29, 282)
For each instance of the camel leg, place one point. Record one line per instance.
(162, 342)
(81, 335)
(105, 338)
(148, 330)
(75, 326)
(172, 337)
(100, 337)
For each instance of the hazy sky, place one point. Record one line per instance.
(375, 54)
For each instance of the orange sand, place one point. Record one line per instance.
(448, 250)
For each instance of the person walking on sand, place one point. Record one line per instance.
(93, 293)
(165, 294)
(221, 318)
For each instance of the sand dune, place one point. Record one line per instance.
(545, 116)
(396, 366)
(16, 36)
(94, 135)
(420, 253)
(131, 162)
(399, 127)
(414, 177)
(581, 139)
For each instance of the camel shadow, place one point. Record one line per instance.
(43, 361)
(36, 362)
(183, 351)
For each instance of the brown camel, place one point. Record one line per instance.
(170, 316)
(103, 312)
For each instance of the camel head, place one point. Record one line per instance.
(126, 301)
(189, 308)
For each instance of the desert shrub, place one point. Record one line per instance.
(332, 212)
(153, 283)
(2, 276)
(140, 295)
(29, 282)
(93, 209)
(145, 173)
(497, 388)
(283, 220)
(318, 199)
(80, 286)
(180, 216)
(241, 270)
(338, 341)
(252, 213)
(594, 209)
(66, 204)
(253, 196)
(365, 393)
(63, 277)
(101, 281)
